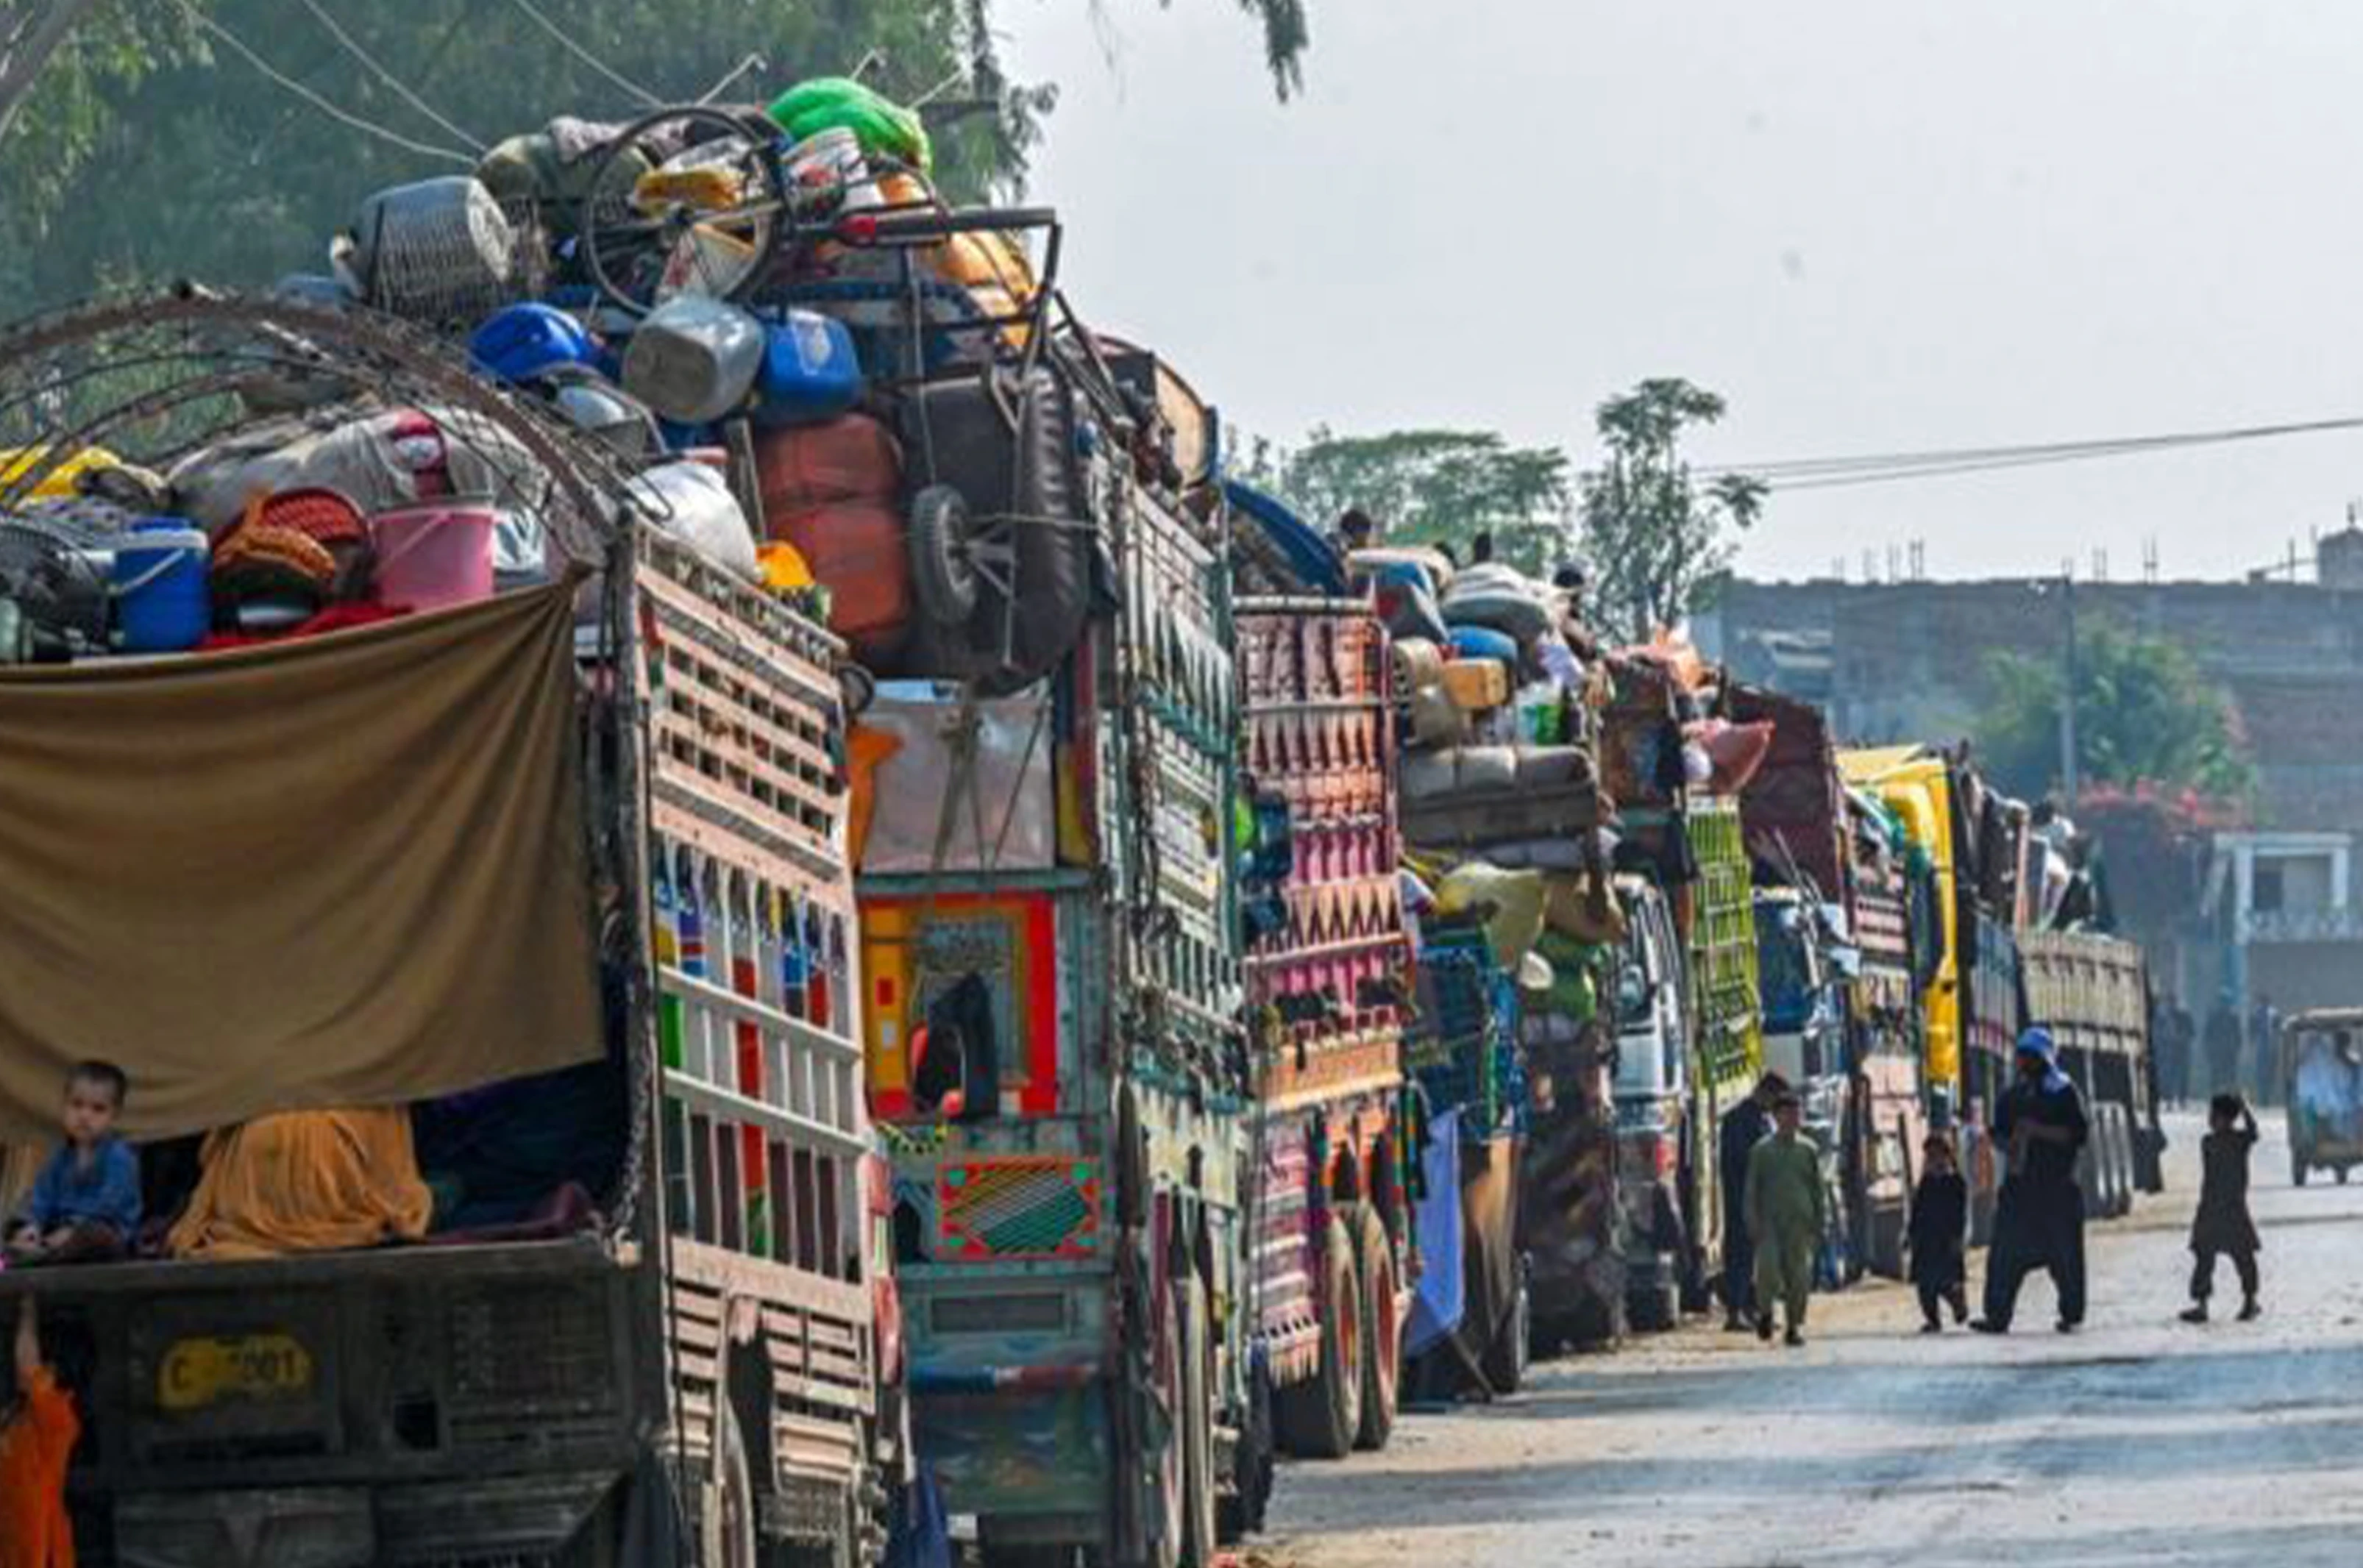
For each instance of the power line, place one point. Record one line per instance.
(566, 42)
(369, 62)
(1831, 473)
(343, 117)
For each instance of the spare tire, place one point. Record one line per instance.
(1027, 520)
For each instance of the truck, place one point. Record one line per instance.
(1326, 957)
(1695, 992)
(2091, 990)
(1056, 1012)
(1838, 965)
(627, 844)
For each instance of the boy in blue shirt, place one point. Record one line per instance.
(84, 1205)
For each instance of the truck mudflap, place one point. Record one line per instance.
(356, 1527)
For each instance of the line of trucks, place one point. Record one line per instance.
(1125, 1011)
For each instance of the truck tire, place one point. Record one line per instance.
(1240, 1511)
(1200, 1484)
(723, 1500)
(1167, 1468)
(1374, 1252)
(1320, 1417)
(1507, 1357)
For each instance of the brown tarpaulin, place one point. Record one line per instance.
(342, 872)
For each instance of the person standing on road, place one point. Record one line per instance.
(2222, 1224)
(1940, 1212)
(1783, 1208)
(2039, 1214)
(2264, 1032)
(2222, 1046)
(2176, 1037)
(1745, 1125)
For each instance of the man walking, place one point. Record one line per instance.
(1784, 1216)
(2039, 1214)
(1745, 1125)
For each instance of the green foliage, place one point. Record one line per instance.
(1431, 487)
(2145, 713)
(1660, 543)
(151, 150)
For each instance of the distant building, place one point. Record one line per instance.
(1911, 661)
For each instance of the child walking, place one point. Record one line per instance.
(2222, 1224)
(38, 1428)
(1940, 1208)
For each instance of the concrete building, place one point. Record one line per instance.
(1912, 661)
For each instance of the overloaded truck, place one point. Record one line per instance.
(1056, 996)
(1834, 928)
(520, 927)
(2091, 990)
(1696, 986)
(1326, 954)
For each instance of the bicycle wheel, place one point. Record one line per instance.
(686, 201)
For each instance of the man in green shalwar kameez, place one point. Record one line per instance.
(1784, 1216)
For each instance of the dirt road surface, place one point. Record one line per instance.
(2137, 1440)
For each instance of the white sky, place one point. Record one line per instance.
(1871, 225)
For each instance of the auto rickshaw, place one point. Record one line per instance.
(2321, 1076)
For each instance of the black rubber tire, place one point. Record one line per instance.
(1318, 1419)
(1381, 1280)
(1200, 1486)
(1029, 474)
(942, 575)
(1240, 1511)
(1506, 1360)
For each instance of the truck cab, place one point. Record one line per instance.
(1662, 1149)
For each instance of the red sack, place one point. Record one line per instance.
(857, 549)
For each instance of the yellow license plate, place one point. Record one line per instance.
(201, 1372)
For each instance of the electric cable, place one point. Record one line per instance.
(586, 57)
(240, 47)
(369, 62)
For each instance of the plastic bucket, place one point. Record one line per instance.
(162, 604)
(434, 555)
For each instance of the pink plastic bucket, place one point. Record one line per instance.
(434, 555)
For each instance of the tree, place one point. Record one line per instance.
(2146, 715)
(153, 149)
(1659, 544)
(1432, 487)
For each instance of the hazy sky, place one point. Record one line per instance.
(1871, 225)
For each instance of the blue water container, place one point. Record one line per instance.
(520, 341)
(163, 603)
(810, 374)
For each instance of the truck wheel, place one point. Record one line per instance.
(1383, 1341)
(1200, 1484)
(1240, 1511)
(726, 1499)
(1506, 1360)
(1318, 1419)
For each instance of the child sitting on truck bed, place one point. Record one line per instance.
(84, 1205)
(38, 1428)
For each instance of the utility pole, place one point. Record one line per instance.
(2069, 779)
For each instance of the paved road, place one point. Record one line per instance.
(2139, 1441)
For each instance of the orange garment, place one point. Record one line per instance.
(34, 1449)
(306, 1181)
(868, 749)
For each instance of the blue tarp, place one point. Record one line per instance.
(1442, 1295)
(1313, 559)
